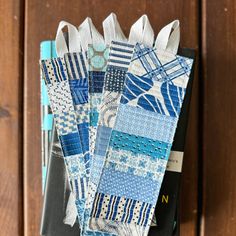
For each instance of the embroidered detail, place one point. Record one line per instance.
(139, 145)
(135, 164)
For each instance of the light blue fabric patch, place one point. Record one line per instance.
(140, 122)
(125, 184)
(102, 140)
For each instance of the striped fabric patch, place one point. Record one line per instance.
(80, 187)
(122, 209)
(120, 54)
(76, 65)
(54, 70)
(136, 144)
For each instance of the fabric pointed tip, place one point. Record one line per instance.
(71, 211)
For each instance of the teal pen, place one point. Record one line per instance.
(47, 51)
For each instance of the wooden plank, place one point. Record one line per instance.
(39, 28)
(219, 57)
(11, 80)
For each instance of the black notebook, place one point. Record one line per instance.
(56, 195)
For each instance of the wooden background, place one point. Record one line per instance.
(208, 201)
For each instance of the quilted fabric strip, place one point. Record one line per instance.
(97, 63)
(120, 55)
(56, 78)
(154, 91)
(77, 68)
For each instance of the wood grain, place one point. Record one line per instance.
(11, 80)
(42, 18)
(219, 57)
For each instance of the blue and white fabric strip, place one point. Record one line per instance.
(141, 139)
(77, 68)
(97, 63)
(120, 55)
(56, 77)
(78, 80)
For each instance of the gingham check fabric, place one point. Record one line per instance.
(120, 55)
(140, 142)
(55, 74)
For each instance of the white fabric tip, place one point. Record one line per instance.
(73, 39)
(141, 31)
(112, 29)
(71, 211)
(169, 37)
(89, 34)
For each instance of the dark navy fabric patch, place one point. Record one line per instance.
(70, 144)
(96, 81)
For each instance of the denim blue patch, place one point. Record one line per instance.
(96, 81)
(84, 136)
(79, 90)
(70, 144)
(102, 140)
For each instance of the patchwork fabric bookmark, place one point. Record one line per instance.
(142, 137)
(56, 78)
(80, 87)
(120, 55)
(97, 59)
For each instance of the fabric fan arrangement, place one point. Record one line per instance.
(116, 104)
